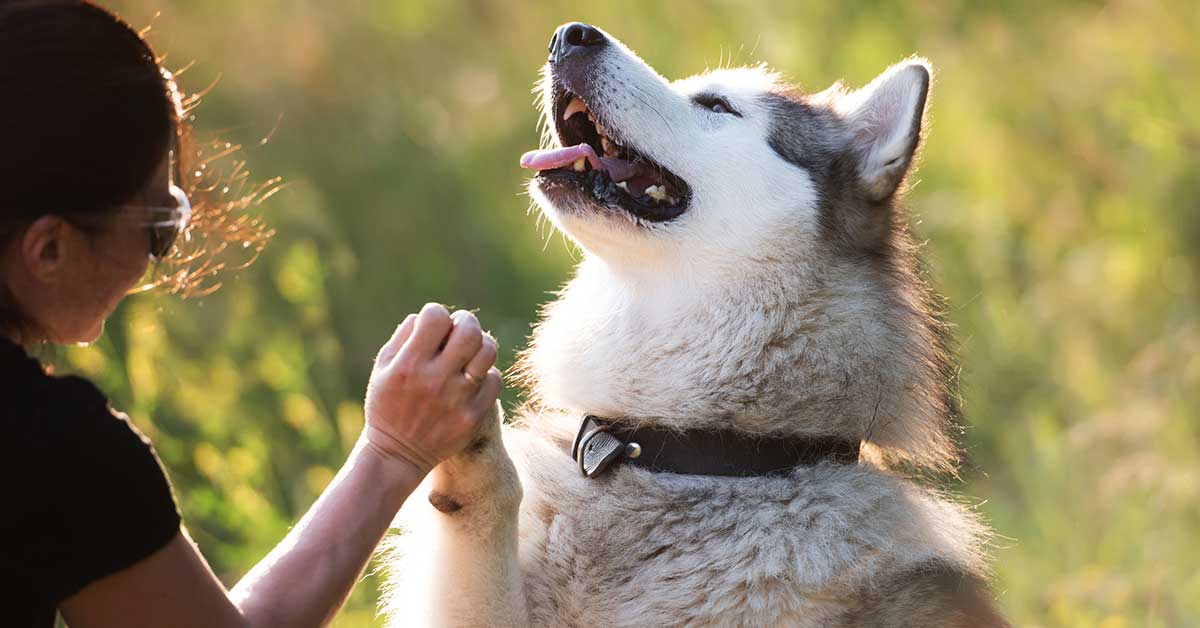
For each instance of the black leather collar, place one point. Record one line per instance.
(601, 443)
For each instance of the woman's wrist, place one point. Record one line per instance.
(394, 470)
(392, 446)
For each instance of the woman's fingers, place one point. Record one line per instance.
(464, 342)
(489, 391)
(399, 337)
(431, 327)
(483, 359)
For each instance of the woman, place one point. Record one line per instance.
(89, 126)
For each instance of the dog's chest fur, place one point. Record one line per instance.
(644, 549)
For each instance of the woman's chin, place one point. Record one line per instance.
(81, 336)
(93, 335)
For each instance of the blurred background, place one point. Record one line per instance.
(1058, 197)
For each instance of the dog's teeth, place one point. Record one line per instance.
(623, 185)
(575, 106)
(580, 164)
(672, 200)
(657, 192)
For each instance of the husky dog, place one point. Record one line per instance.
(748, 290)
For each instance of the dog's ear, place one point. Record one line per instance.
(884, 120)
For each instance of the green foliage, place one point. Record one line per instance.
(1058, 194)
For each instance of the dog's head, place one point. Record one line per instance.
(731, 162)
(732, 209)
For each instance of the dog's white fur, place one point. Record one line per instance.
(735, 315)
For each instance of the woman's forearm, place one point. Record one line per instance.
(307, 577)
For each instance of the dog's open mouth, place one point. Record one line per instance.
(615, 174)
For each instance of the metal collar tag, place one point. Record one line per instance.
(595, 449)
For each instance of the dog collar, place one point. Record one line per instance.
(601, 443)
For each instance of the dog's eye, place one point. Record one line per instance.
(715, 104)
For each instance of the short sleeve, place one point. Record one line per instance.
(94, 498)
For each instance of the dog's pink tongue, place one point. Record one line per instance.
(558, 157)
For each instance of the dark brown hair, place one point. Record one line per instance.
(87, 113)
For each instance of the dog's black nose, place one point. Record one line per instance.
(572, 38)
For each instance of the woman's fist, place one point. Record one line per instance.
(432, 384)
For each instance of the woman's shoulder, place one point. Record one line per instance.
(63, 428)
(41, 410)
(93, 497)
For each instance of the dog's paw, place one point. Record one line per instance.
(480, 478)
(489, 431)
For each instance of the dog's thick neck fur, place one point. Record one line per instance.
(783, 352)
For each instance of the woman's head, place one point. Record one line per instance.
(87, 113)
(90, 127)
(88, 119)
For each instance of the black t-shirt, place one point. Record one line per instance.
(84, 495)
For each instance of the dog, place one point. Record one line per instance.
(732, 401)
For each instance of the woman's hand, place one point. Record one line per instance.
(433, 383)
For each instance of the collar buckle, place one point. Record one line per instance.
(595, 448)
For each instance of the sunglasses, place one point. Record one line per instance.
(163, 223)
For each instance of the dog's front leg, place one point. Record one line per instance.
(477, 580)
